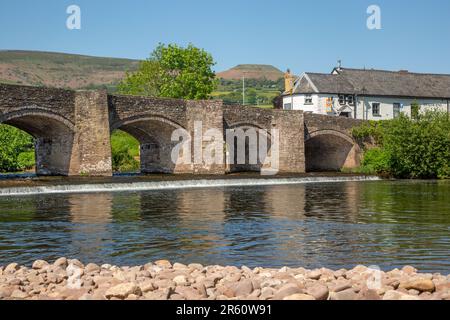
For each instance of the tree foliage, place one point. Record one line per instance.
(16, 149)
(174, 72)
(410, 148)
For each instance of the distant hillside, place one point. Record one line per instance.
(264, 82)
(251, 71)
(62, 70)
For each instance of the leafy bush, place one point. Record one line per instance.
(16, 148)
(375, 160)
(125, 150)
(26, 160)
(410, 148)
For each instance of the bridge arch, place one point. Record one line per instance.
(247, 161)
(330, 150)
(154, 133)
(53, 138)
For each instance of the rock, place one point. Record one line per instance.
(164, 284)
(341, 286)
(179, 266)
(348, 294)
(187, 293)
(91, 267)
(243, 288)
(180, 280)
(61, 262)
(18, 294)
(318, 291)
(409, 270)
(76, 262)
(246, 269)
(314, 275)
(299, 296)
(397, 295)
(340, 273)
(163, 263)
(287, 290)
(269, 282)
(414, 292)
(267, 293)
(5, 291)
(195, 266)
(11, 268)
(147, 286)
(368, 294)
(419, 284)
(123, 290)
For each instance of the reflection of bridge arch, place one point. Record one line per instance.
(330, 150)
(53, 138)
(154, 133)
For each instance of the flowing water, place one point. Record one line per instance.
(270, 223)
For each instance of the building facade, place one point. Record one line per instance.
(368, 94)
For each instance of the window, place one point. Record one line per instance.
(288, 106)
(308, 99)
(397, 109)
(350, 100)
(346, 99)
(376, 109)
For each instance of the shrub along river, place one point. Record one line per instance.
(330, 223)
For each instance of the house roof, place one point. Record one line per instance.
(376, 82)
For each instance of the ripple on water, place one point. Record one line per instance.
(385, 223)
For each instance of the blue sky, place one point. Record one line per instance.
(302, 35)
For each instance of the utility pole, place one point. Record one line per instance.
(243, 89)
(448, 110)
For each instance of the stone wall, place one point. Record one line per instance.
(72, 132)
(92, 155)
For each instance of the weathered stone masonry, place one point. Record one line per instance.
(72, 131)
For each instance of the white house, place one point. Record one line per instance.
(367, 94)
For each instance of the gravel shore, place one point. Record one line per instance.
(71, 280)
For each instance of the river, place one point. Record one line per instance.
(334, 224)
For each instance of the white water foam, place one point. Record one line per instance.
(168, 185)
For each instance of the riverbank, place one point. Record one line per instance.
(71, 280)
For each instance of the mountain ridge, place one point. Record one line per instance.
(78, 71)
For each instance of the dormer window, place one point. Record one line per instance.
(308, 99)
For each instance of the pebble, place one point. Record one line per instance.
(162, 280)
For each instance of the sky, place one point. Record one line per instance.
(300, 35)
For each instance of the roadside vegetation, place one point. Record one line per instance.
(417, 148)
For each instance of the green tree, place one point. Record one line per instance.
(409, 148)
(16, 149)
(174, 72)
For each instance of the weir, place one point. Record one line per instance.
(168, 185)
(72, 132)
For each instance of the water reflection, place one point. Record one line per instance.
(312, 225)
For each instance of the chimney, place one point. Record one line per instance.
(288, 82)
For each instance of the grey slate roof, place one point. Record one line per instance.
(378, 83)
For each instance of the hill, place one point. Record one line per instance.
(62, 70)
(251, 71)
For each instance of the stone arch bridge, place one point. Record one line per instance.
(72, 131)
